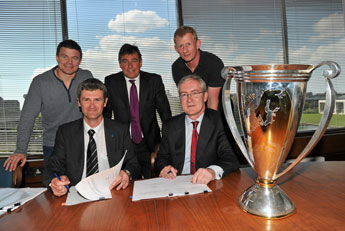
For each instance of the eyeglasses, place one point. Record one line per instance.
(193, 94)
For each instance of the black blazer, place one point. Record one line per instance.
(68, 155)
(152, 97)
(213, 147)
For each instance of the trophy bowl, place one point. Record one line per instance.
(270, 101)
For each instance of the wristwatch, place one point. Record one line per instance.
(128, 173)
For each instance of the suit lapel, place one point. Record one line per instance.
(206, 130)
(143, 91)
(109, 140)
(180, 142)
(79, 147)
(122, 88)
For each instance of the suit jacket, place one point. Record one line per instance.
(69, 152)
(213, 147)
(152, 97)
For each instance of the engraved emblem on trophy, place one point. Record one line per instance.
(270, 101)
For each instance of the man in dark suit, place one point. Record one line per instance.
(134, 98)
(195, 142)
(91, 144)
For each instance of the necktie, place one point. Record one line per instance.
(134, 109)
(195, 138)
(92, 162)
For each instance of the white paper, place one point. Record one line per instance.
(161, 187)
(74, 198)
(94, 187)
(13, 198)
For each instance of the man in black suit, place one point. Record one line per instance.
(195, 142)
(132, 86)
(78, 154)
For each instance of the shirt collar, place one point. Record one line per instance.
(136, 78)
(96, 129)
(199, 119)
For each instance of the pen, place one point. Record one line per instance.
(57, 176)
(11, 207)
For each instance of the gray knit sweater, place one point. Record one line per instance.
(57, 104)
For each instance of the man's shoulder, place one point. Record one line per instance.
(44, 76)
(84, 74)
(213, 115)
(175, 119)
(114, 76)
(205, 55)
(178, 62)
(71, 125)
(114, 124)
(148, 75)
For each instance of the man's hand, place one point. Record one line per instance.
(58, 186)
(168, 172)
(203, 176)
(121, 181)
(12, 161)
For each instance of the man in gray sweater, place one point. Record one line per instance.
(54, 95)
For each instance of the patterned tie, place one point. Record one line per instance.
(134, 109)
(195, 138)
(92, 162)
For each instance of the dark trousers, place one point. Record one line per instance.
(47, 151)
(143, 154)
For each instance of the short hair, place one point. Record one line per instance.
(71, 44)
(128, 49)
(193, 77)
(181, 31)
(92, 84)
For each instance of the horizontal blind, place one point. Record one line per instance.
(29, 34)
(246, 32)
(102, 26)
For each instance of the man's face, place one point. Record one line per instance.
(92, 104)
(192, 98)
(68, 60)
(130, 65)
(187, 47)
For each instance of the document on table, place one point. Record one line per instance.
(94, 187)
(13, 198)
(161, 187)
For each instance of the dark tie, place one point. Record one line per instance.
(134, 109)
(92, 162)
(195, 138)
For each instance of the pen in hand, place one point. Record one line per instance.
(57, 176)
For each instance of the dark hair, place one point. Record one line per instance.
(91, 85)
(193, 77)
(183, 30)
(128, 49)
(69, 44)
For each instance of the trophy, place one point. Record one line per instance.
(270, 100)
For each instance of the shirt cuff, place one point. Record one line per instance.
(218, 170)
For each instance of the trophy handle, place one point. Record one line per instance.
(326, 117)
(229, 114)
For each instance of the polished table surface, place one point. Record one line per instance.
(316, 188)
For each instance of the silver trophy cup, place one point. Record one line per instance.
(270, 100)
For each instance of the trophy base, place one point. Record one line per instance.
(266, 199)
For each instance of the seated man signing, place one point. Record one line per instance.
(194, 142)
(91, 144)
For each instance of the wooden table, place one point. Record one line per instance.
(317, 189)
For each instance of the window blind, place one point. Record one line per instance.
(29, 34)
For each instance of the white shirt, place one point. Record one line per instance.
(189, 132)
(99, 137)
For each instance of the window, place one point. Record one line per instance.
(29, 34)
(101, 27)
(246, 32)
